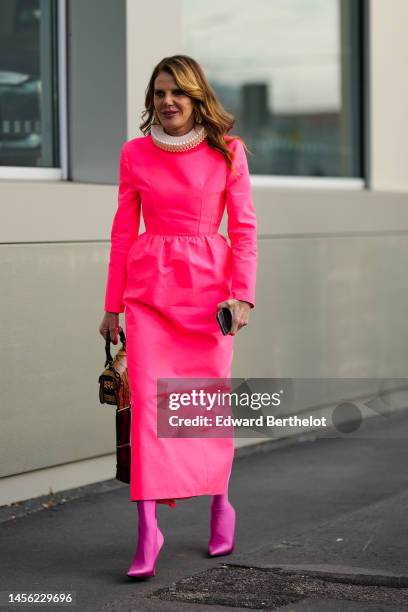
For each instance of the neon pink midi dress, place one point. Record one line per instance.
(168, 280)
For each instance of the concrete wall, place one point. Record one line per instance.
(331, 295)
(389, 95)
(96, 36)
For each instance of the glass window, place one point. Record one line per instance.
(28, 80)
(289, 71)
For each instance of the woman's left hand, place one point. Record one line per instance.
(240, 313)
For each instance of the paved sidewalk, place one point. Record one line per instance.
(321, 526)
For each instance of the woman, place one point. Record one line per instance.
(171, 281)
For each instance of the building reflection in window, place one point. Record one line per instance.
(289, 71)
(28, 78)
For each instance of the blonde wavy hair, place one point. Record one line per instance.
(208, 111)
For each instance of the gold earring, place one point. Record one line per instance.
(155, 118)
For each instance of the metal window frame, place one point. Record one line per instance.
(274, 181)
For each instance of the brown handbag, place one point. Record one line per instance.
(114, 390)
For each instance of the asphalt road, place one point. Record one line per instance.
(322, 525)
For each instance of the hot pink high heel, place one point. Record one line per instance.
(150, 541)
(223, 520)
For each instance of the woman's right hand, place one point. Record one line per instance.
(110, 322)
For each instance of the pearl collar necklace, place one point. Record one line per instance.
(177, 143)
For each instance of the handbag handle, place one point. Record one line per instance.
(122, 336)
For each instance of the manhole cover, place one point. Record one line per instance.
(272, 588)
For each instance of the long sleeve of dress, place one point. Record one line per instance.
(125, 229)
(242, 227)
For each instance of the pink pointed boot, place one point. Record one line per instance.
(222, 525)
(150, 541)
